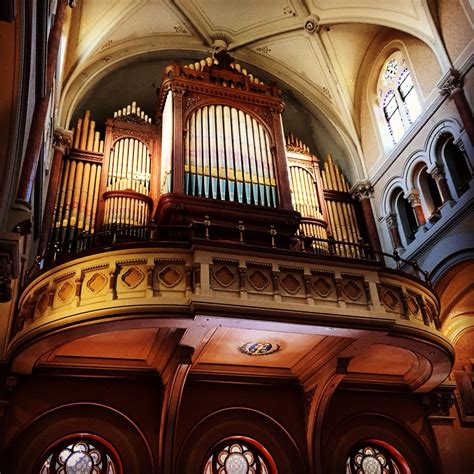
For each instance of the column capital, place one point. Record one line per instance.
(62, 140)
(452, 84)
(438, 172)
(362, 190)
(414, 198)
(391, 220)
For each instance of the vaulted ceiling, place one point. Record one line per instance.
(312, 48)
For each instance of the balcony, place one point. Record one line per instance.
(182, 277)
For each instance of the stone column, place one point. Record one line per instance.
(415, 201)
(363, 193)
(438, 404)
(62, 141)
(439, 176)
(453, 87)
(392, 224)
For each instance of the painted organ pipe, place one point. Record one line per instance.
(227, 156)
(127, 201)
(77, 193)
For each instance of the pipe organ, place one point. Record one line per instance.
(342, 209)
(322, 198)
(77, 194)
(305, 182)
(216, 152)
(222, 142)
(131, 141)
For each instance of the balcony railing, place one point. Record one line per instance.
(215, 233)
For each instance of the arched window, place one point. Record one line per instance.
(431, 197)
(406, 218)
(397, 96)
(457, 165)
(80, 454)
(239, 455)
(372, 458)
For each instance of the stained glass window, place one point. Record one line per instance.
(80, 455)
(235, 456)
(371, 459)
(393, 117)
(397, 96)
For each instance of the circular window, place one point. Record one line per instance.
(80, 454)
(239, 455)
(371, 458)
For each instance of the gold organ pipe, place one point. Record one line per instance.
(323, 177)
(96, 197)
(101, 146)
(62, 195)
(76, 194)
(85, 130)
(90, 139)
(69, 191)
(96, 142)
(90, 198)
(83, 196)
(77, 134)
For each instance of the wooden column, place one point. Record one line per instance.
(35, 137)
(415, 202)
(62, 141)
(363, 193)
(453, 87)
(177, 163)
(283, 183)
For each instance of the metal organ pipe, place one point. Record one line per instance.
(228, 157)
(128, 184)
(77, 193)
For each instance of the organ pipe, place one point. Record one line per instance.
(77, 191)
(341, 208)
(227, 156)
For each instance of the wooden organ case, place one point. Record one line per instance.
(323, 199)
(223, 150)
(130, 162)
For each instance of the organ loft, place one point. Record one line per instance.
(215, 152)
(235, 265)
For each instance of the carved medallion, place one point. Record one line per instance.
(133, 277)
(390, 299)
(66, 291)
(352, 290)
(322, 287)
(258, 279)
(96, 283)
(169, 276)
(42, 302)
(259, 348)
(224, 276)
(290, 283)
